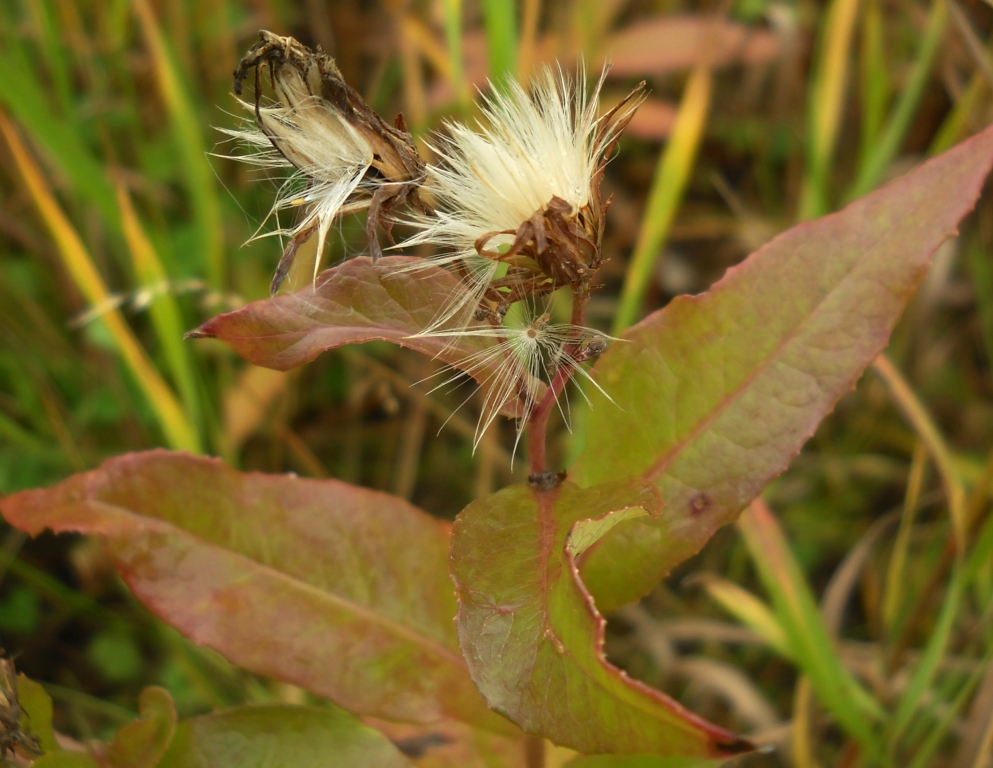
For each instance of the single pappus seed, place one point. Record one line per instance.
(515, 370)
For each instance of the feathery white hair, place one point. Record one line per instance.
(327, 156)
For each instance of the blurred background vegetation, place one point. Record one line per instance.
(122, 226)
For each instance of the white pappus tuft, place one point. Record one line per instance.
(532, 148)
(327, 156)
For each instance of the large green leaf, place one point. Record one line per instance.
(339, 589)
(280, 736)
(716, 393)
(533, 638)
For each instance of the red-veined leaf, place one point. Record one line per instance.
(339, 589)
(351, 303)
(533, 638)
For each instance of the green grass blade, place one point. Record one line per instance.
(453, 38)
(54, 51)
(25, 97)
(926, 669)
(671, 177)
(189, 144)
(980, 268)
(749, 610)
(981, 553)
(874, 85)
(798, 614)
(500, 22)
(592, 21)
(16, 436)
(173, 421)
(826, 106)
(926, 428)
(877, 161)
(956, 125)
(58, 593)
(893, 599)
(166, 317)
(938, 732)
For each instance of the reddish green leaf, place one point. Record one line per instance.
(280, 736)
(142, 743)
(717, 392)
(339, 589)
(352, 303)
(533, 638)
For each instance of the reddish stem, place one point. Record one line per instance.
(538, 426)
(534, 752)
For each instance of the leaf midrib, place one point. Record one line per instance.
(358, 609)
(660, 465)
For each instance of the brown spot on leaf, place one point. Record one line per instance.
(700, 503)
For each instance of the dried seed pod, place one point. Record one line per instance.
(12, 736)
(320, 125)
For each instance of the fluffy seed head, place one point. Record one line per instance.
(524, 191)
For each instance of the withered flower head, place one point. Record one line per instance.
(349, 157)
(523, 191)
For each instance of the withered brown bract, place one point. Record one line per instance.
(11, 735)
(308, 81)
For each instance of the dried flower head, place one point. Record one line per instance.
(347, 156)
(523, 191)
